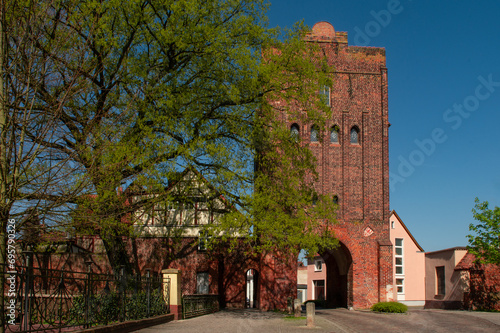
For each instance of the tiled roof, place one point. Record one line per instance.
(466, 262)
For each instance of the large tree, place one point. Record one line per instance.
(36, 181)
(140, 89)
(485, 242)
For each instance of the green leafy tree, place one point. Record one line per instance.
(485, 242)
(140, 89)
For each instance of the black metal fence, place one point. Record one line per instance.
(197, 305)
(41, 300)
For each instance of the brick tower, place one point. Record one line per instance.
(353, 165)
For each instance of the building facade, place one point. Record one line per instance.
(445, 285)
(352, 162)
(409, 264)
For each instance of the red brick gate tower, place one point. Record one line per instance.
(353, 165)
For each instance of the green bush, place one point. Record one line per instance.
(392, 307)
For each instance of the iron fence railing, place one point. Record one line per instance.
(197, 305)
(41, 300)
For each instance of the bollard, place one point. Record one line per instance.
(310, 311)
(289, 305)
(297, 306)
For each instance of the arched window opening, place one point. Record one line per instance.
(295, 132)
(334, 134)
(335, 200)
(355, 135)
(314, 133)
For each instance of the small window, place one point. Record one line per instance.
(202, 283)
(295, 132)
(334, 134)
(314, 133)
(202, 241)
(335, 200)
(440, 281)
(392, 225)
(354, 135)
(318, 265)
(400, 286)
(325, 94)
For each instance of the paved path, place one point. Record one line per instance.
(335, 321)
(416, 321)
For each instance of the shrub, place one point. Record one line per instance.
(392, 307)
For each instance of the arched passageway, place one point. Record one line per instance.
(338, 264)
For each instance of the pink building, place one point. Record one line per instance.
(409, 264)
(316, 278)
(445, 282)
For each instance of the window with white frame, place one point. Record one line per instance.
(400, 286)
(398, 255)
(325, 94)
(318, 265)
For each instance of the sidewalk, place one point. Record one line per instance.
(244, 321)
(335, 321)
(493, 317)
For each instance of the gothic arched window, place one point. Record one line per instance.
(314, 133)
(334, 134)
(355, 135)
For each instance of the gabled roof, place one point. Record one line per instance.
(407, 231)
(176, 179)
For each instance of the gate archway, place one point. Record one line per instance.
(338, 276)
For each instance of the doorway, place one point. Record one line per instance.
(251, 289)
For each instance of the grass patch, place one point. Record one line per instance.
(294, 318)
(389, 307)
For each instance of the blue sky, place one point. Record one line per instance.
(443, 60)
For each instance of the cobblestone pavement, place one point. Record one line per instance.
(335, 321)
(413, 321)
